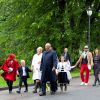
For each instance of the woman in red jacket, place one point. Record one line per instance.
(10, 67)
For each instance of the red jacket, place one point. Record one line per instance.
(12, 75)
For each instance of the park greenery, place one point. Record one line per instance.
(27, 24)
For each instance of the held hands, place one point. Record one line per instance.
(53, 69)
(73, 67)
(77, 65)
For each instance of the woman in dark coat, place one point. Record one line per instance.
(96, 67)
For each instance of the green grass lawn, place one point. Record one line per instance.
(74, 73)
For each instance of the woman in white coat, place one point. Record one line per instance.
(36, 61)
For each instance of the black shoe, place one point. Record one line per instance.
(99, 83)
(35, 91)
(26, 91)
(18, 92)
(42, 94)
(94, 85)
(53, 93)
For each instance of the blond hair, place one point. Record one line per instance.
(40, 48)
(22, 61)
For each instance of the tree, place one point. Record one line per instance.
(27, 24)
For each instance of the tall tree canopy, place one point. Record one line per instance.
(27, 24)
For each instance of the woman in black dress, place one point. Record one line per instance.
(96, 67)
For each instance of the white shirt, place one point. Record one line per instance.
(24, 71)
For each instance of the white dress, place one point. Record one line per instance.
(36, 66)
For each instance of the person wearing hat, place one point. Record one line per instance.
(86, 62)
(10, 67)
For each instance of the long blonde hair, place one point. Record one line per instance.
(95, 53)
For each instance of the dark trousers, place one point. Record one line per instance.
(23, 79)
(37, 85)
(53, 86)
(96, 74)
(10, 84)
(63, 85)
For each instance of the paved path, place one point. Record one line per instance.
(75, 92)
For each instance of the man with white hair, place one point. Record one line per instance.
(48, 67)
(86, 62)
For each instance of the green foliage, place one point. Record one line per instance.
(27, 24)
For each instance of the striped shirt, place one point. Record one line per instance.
(96, 60)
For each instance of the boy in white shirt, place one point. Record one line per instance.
(23, 72)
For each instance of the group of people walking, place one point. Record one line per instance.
(47, 67)
(86, 61)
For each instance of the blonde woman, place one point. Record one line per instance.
(36, 61)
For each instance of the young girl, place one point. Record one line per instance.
(63, 72)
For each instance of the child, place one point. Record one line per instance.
(62, 70)
(23, 74)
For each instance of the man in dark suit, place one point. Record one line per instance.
(66, 55)
(23, 72)
(48, 67)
